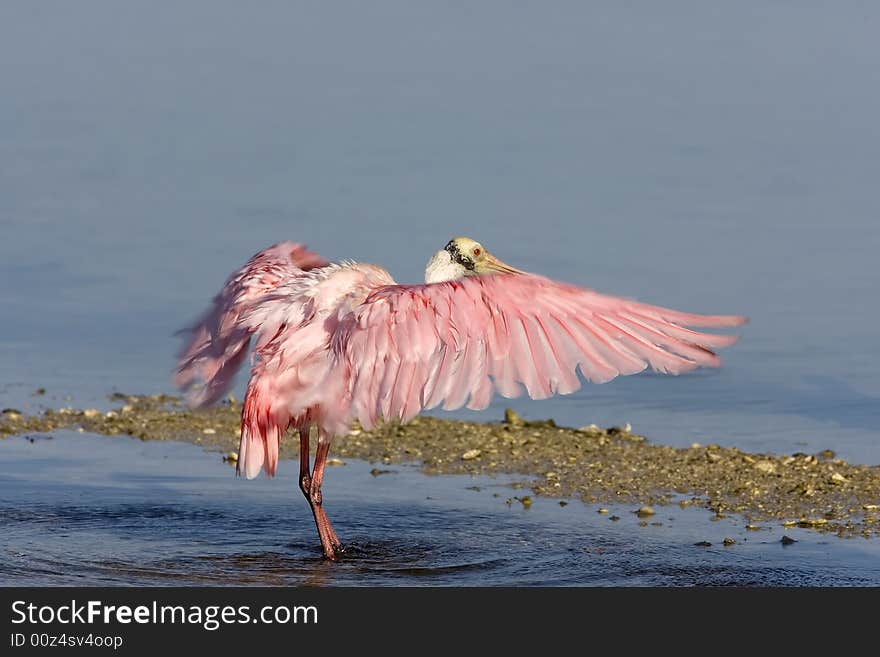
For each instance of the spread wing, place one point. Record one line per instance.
(410, 348)
(216, 345)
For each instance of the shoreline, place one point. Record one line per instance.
(597, 466)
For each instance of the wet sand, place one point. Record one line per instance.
(596, 465)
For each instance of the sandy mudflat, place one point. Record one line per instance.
(596, 465)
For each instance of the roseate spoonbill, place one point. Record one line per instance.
(335, 343)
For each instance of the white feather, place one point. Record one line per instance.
(442, 268)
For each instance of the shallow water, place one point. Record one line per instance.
(91, 510)
(717, 159)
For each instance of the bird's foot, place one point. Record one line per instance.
(334, 551)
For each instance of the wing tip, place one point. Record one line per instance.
(722, 320)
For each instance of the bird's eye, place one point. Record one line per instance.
(477, 251)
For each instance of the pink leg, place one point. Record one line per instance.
(310, 484)
(305, 479)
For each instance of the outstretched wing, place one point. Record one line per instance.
(415, 347)
(217, 343)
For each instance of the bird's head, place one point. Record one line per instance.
(462, 257)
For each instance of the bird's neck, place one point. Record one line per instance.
(442, 268)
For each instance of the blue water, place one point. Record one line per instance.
(718, 159)
(168, 514)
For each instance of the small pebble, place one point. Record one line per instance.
(512, 417)
(767, 467)
(602, 510)
(471, 454)
(91, 412)
(787, 540)
(231, 457)
(209, 430)
(335, 462)
(811, 522)
(728, 541)
(645, 512)
(703, 544)
(614, 518)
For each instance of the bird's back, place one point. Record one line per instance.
(297, 380)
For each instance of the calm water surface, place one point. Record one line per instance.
(714, 159)
(84, 509)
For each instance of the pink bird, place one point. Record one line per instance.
(338, 343)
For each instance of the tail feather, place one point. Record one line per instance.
(263, 423)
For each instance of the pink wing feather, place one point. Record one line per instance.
(414, 347)
(217, 343)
